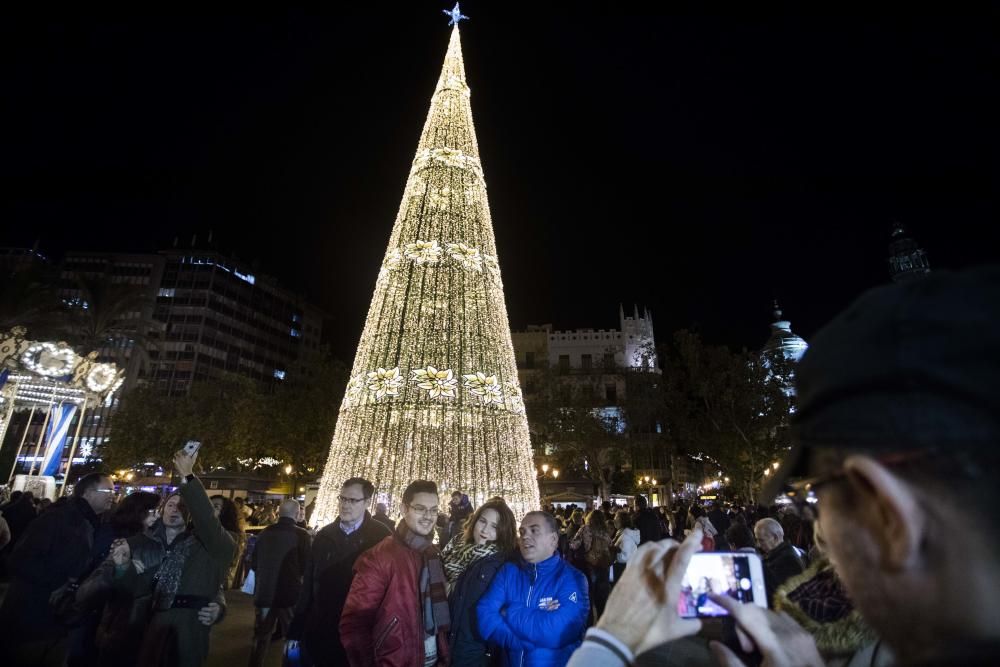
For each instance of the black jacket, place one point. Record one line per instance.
(327, 581)
(648, 524)
(780, 565)
(279, 561)
(385, 521)
(468, 649)
(55, 547)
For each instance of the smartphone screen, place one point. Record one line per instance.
(736, 574)
(191, 447)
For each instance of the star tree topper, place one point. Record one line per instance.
(455, 14)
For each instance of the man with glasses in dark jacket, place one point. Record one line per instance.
(55, 550)
(328, 574)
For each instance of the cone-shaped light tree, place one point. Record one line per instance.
(434, 393)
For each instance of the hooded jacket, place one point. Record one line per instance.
(511, 613)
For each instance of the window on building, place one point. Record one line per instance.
(563, 362)
(586, 362)
(609, 360)
(611, 394)
(529, 359)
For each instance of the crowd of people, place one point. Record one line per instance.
(883, 553)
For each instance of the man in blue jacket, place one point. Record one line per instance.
(536, 608)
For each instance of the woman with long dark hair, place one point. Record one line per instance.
(117, 629)
(471, 560)
(232, 520)
(593, 541)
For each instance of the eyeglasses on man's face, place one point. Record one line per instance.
(424, 511)
(802, 494)
(351, 502)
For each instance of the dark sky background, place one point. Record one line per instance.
(698, 164)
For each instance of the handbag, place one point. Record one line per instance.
(250, 583)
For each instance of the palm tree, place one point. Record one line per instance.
(29, 299)
(112, 318)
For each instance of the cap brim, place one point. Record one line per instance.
(794, 465)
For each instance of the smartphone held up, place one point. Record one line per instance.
(191, 447)
(739, 575)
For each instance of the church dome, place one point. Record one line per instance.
(783, 340)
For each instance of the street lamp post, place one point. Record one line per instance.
(545, 474)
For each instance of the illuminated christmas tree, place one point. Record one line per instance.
(434, 392)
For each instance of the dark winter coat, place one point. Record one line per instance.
(385, 521)
(326, 582)
(468, 648)
(129, 596)
(648, 524)
(780, 565)
(203, 574)
(382, 623)
(279, 561)
(55, 547)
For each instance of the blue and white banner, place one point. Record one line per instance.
(55, 437)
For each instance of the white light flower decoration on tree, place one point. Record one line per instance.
(393, 259)
(485, 387)
(514, 397)
(423, 252)
(492, 266)
(439, 198)
(469, 258)
(437, 383)
(382, 382)
(356, 389)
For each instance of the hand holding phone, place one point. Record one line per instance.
(184, 461)
(192, 447)
(776, 638)
(642, 609)
(737, 575)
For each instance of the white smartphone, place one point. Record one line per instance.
(738, 574)
(192, 446)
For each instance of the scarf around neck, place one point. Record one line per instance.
(433, 591)
(458, 555)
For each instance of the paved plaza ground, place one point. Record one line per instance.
(231, 637)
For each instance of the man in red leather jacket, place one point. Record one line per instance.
(396, 614)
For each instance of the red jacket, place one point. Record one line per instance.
(382, 623)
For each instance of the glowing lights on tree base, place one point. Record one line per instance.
(434, 392)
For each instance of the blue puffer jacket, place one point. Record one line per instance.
(530, 635)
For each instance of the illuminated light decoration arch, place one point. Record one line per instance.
(433, 392)
(50, 360)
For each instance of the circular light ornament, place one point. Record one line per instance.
(101, 377)
(50, 360)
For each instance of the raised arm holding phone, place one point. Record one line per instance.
(187, 598)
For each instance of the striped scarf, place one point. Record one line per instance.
(433, 592)
(457, 556)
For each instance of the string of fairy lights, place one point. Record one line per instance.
(434, 392)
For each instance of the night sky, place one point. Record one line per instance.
(698, 164)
